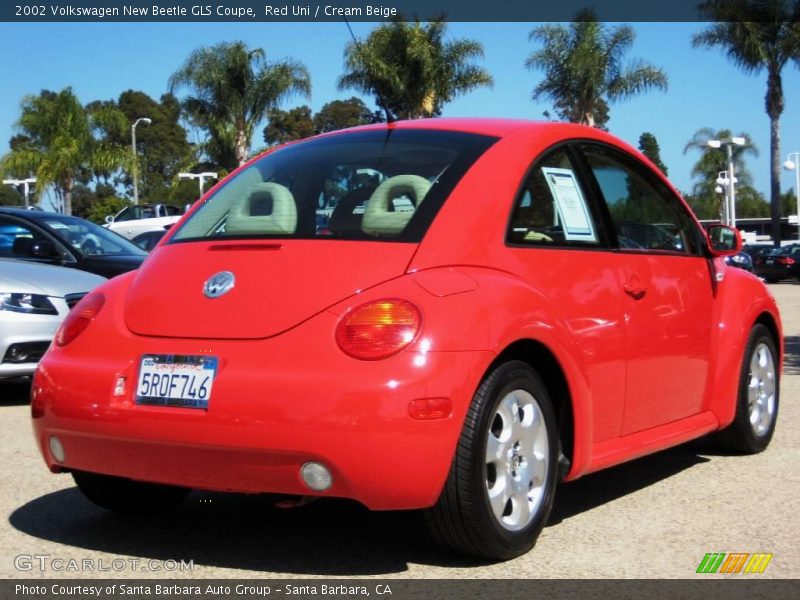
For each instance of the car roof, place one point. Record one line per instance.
(27, 213)
(487, 126)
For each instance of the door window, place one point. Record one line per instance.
(552, 208)
(645, 213)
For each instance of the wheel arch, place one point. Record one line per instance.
(541, 358)
(768, 320)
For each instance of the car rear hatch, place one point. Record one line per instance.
(278, 284)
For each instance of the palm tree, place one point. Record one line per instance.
(712, 161)
(759, 35)
(411, 70)
(584, 70)
(232, 88)
(60, 143)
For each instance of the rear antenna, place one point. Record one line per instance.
(389, 116)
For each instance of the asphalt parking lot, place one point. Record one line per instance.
(654, 517)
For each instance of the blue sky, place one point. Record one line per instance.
(100, 60)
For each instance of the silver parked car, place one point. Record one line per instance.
(34, 299)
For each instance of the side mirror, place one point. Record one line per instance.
(724, 240)
(43, 249)
(109, 219)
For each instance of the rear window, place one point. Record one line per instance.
(365, 185)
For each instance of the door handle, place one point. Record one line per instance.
(634, 288)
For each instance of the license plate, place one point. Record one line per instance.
(176, 380)
(770, 261)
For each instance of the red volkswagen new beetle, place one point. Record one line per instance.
(450, 315)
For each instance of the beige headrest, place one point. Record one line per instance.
(378, 219)
(271, 198)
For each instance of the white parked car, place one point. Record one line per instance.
(141, 218)
(34, 299)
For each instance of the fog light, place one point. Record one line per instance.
(56, 449)
(316, 476)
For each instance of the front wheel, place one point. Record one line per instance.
(502, 481)
(757, 401)
(128, 496)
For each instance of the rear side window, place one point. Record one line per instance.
(552, 208)
(645, 213)
(364, 185)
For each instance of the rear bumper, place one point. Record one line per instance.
(275, 405)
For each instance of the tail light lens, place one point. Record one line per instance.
(79, 318)
(785, 260)
(378, 329)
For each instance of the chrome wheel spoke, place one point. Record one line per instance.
(517, 460)
(498, 497)
(761, 389)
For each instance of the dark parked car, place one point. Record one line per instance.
(741, 260)
(149, 239)
(57, 239)
(780, 263)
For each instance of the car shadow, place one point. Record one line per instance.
(791, 359)
(15, 392)
(330, 537)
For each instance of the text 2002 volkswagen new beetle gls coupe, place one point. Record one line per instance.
(492, 306)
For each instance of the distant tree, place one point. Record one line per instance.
(411, 67)
(95, 204)
(61, 145)
(648, 144)
(341, 114)
(584, 70)
(162, 146)
(788, 203)
(756, 36)
(10, 197)
(711, 162)
(288, 125)
(231, 89)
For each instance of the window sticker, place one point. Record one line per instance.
(571, 205)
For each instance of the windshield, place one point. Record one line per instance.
(363, 185)
(90, 239)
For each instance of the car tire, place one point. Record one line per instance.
(501, 485)
(757, 398)
(127, 496)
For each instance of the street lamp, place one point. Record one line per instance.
(201, 178)
(794, 165)
(146, 121)
(729, 143)
(23, 182)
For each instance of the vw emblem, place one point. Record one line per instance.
(219, 284)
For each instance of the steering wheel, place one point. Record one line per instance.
(91, 247)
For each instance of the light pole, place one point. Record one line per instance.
(25, 183)
(201, 178)
(146, 121)
(729, 143)
(794, 165)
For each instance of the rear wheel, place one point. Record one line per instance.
(759, 392)
(128, 496)
(502, 481)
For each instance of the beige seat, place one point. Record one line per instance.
(268, 209)
(378, 218)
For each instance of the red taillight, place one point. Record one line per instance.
(79, 318)
(785, 260)
(378, 329)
